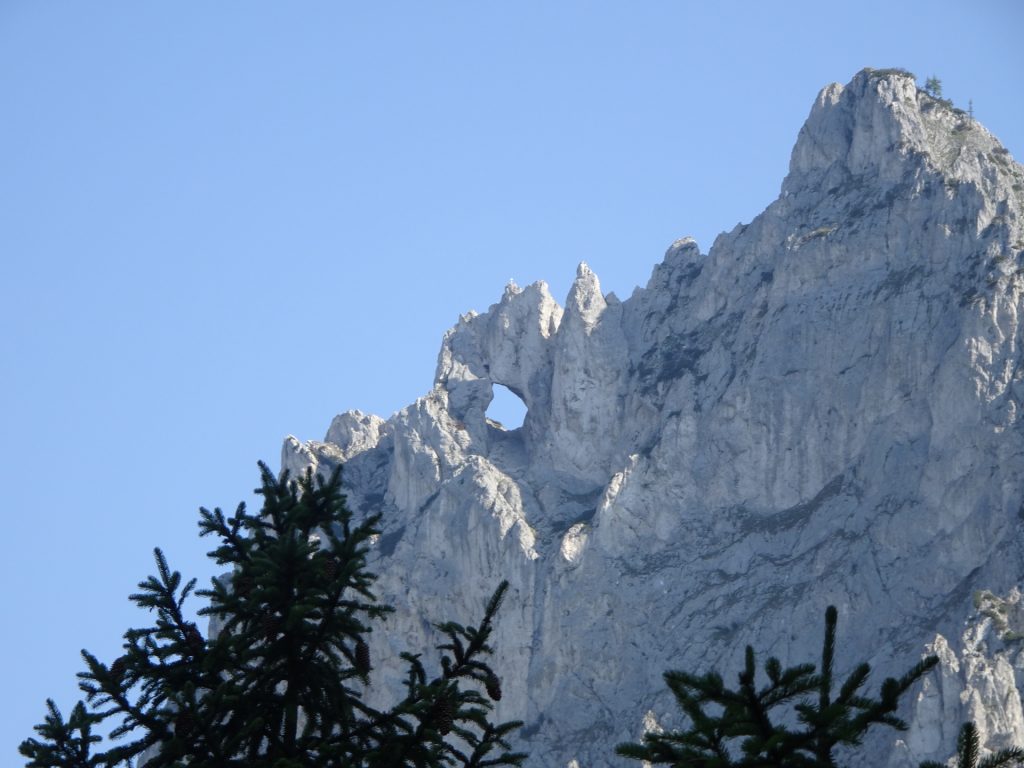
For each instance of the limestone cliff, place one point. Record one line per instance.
(822, 409)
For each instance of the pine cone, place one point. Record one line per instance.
(493, 686)
(362, 658)
(444, 715)
(331, 567)
(118, 668)
(194, 638)
(243, 585)
(269, 624)
(183, 724)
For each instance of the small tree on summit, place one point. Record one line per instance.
(282, 683)
(933, 87)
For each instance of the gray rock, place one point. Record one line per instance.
(821, 410)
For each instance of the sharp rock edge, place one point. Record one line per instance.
(823, 409)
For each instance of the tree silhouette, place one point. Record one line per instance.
(968, 753)
(741, 727)
(282, 684)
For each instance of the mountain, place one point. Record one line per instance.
(823, 409)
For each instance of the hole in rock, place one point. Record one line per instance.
(506, 408)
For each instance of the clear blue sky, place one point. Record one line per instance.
(221, 223)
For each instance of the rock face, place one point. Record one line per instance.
(979, 682)
(821, 410)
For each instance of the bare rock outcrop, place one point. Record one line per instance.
(823, 409)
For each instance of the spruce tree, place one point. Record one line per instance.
(741, 727)
(282, 683)
(968, 753)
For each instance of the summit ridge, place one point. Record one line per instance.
(823, 409)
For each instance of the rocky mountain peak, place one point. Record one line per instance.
(823, 409)
(868, 126)
(585, 301)
(882, 126)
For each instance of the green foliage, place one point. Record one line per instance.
(741, 728)
(891, 71)
(1005, 613)
(968, 749)
(65, 743)
(933, 87)
(282, 684)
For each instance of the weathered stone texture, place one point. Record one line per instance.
(822, 409)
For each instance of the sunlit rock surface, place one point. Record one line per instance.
(823, 409)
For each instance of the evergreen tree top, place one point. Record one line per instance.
(283, 682)
(742, 727)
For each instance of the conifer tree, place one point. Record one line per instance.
(933, 87)
(282, 683)
(968, 753)
(741, 727)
